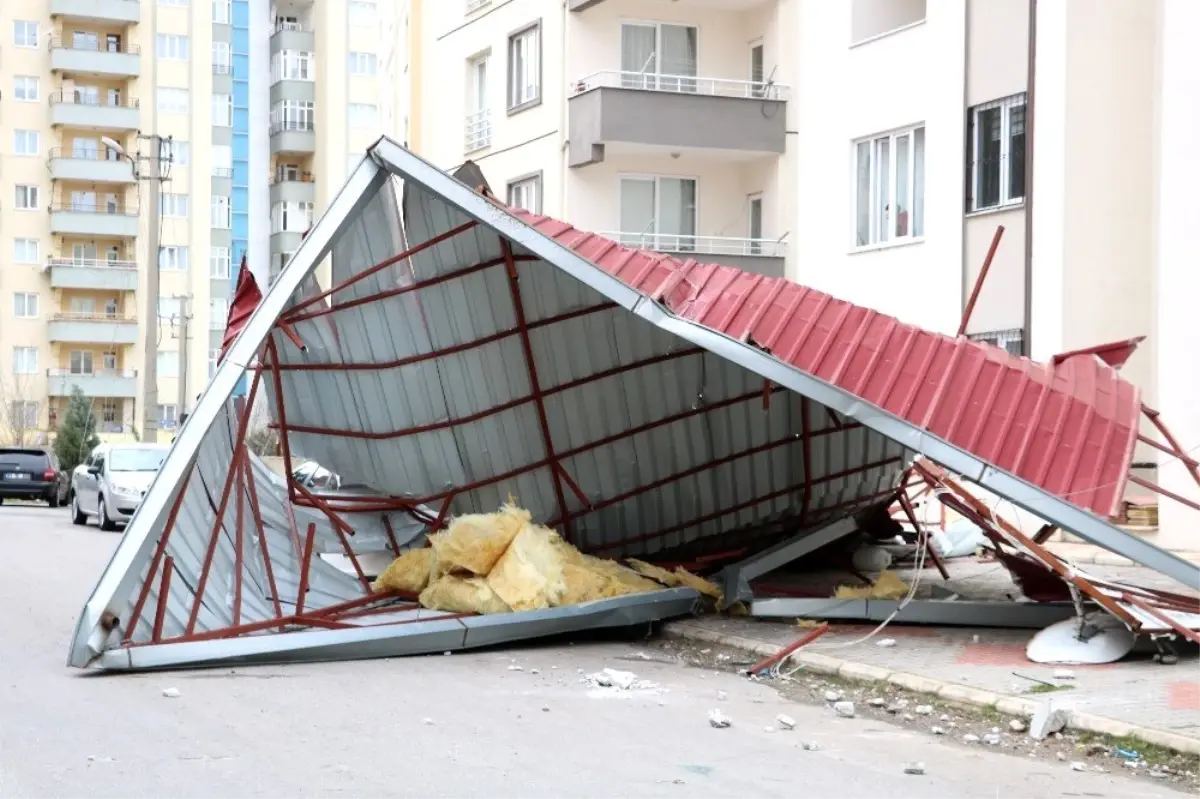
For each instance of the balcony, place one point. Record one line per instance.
(92, 273)
(122, 12)
(293, 137)
(760, 256)
(89, 166)
(122, 61)
(295, 188)
(287, 242)
(295, 36)
(103, 383)
(98, 115)
(478, 131)
(674, 112)
(93, 219)
(92, 328)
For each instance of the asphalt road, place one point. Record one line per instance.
(463, 725)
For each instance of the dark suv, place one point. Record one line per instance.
(32, 474)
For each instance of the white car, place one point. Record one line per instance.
(110, 484)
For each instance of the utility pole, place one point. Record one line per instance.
(150, 367)
(181, 408)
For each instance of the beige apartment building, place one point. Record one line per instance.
(234, 90)
(869, 148)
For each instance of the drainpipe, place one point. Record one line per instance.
(563, 143)
(1030, 107)
(966, 181)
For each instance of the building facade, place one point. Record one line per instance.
(868, 148)
(232, 88)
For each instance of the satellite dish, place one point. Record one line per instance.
(1108, 642)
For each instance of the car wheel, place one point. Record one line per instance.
(77, 515)
(53, 498)
(106, 524)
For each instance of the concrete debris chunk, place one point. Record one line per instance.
(1064, 674)
(937, 730)
(614, 678)
(1078, 766)
(914, 768)
(809, 746)
(785, 722)
(722, 696)
(833, 696)
(844, 709)
(514, 667)
(718, 719)
(991, 739)
(1046, 721)
(171, 693)
(427, 722)
(1061, 756)
(923, 710)
(1016, 725)
(909, 717)
(970, 738)
(876, 701)
(886, 643)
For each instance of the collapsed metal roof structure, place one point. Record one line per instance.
(643, 405)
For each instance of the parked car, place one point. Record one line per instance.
(112, 482)
(32, 473)
(319, 480)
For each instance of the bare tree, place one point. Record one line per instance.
(19, 410)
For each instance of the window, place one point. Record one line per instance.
(24, 414)
(292, 65)
(172, 101)
(218, 263)
(222, 110)
(658, 56)
(292, 115)
(754, 214)
(524, 67)
(221, 11)
(25, 33)
(82, 362)
(214, 358)
(220, 58)
(362, 13)
(889, 187)
(26, 142)
(174, 205)
(659, 213)
(526, 193)
(168, 308)
(168, 415)
(25, 251)
(291, 217)
(25, 88)
(27, 198)
(222, 160)
(179, 153)
(25, 305)
(172, 258)
(168, 363)
(25, 360)
(996, 131)
(362, 115)
(83, 306)
(172, 47)
(478, 123)
(219, 215)
(1012, 341)
(218, 314)
(110, 361)
(87, 149)
(108, 411)
(363, 64)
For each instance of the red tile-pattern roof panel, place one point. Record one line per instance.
(1067, 428)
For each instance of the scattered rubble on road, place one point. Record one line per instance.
(171, 693)
(785, 722)
(914, 768)
(718, 719)
(844, 709)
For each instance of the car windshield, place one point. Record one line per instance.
(136, 460)
(24, 460)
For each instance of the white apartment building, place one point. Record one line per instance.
(868, 148)
(234, 87)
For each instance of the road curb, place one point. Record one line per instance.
(818, 663)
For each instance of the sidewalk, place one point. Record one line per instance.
(1135, 696)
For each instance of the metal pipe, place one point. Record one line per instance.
(1160, 490)
(263, 546)
(1030, 115)
(159, 551)
(164, 594)
(979, 280)
(305, 565)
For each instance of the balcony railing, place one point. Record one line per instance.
(84, 155)
(91, 316)
(682, 84)
(100, 102)
(478, 130)
(70, 206)
(222, 172)
(91, 263)
(58, 43)
(94, 373)
(221, 69)
(292, 27)
(700, 245)
(302, 177)
(291, 124)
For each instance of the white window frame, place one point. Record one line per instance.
(27, 245)
(179, 152)
(653, 237)
(168, 414)
(26, 197)
(173, 47)
(222, 159)
(526, 192)
(222, 57)
(363, 64)
(22, 139)
(218, 313)
(172, 100)
(222, 11)
(25, 360)
(880, 218)
(22, 86)
(222, 110)
(1006, 106)
(294, 115)
(172, 258)
(174, 206)
(525, 83)
(219, 263)
(221, 212)
(25, 304)
(25, 33)
(293, 65)
(81, 362)
(654, 76)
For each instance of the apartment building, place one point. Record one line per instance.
(88, 88)
(868, 148)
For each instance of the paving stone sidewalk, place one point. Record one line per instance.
(1135, 690)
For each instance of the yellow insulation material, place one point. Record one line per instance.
(888, 586)
(474, 543)
(589, 578)
(529, 575)
(408, 573)
(455, 594)
(680, 576)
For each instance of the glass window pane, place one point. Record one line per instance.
(862, 192)
(637, 211)
(1016, 152)
(918, 211)
(987, 155)
(902, 210)
(883, 188)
